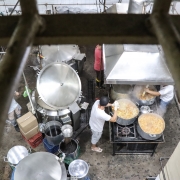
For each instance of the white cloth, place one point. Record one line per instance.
(157, 178)
(13, 106)
(167, 93)
(98, 118)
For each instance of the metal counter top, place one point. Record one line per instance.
(135, 64)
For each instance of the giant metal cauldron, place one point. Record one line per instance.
(58, 94)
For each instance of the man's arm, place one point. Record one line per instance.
(114, 118)
(155, 93)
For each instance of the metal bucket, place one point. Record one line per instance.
(15, 155)
(53, 132)
(79, 169)
(71, 149)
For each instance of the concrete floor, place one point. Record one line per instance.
(103, 165)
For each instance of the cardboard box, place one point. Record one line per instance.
(30, 133)
(27, 122)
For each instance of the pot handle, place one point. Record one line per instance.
(77, 141)
(5, 159)
(30, 150)
(137, 104)
(152, 135)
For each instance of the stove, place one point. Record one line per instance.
(125, 131)
(126, 140)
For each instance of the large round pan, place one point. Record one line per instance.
(149, 136)
(123, 121)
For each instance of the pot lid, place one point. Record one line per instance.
(78, 168)
(39, 166)
(58, 85)
(42, 103)
(16, 154)
(59, 53)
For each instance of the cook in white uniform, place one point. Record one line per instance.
(166, 94)
(15, 108)
(98, 118)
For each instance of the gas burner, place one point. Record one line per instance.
(125, 131)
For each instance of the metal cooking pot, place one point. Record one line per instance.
(70, 149)
(126, 122)
(145, 109)
(146, 135)
(15, 155)
(59, 85)
(39, 165)
(53, 132)
(137, 90)
(79, 168)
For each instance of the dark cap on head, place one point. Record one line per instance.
(104, 100)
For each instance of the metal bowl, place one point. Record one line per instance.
(145, 109)
(67, 130)
(78, 168)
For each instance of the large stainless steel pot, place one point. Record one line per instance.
(59, 85)
(79, 168)
(119, 91)
(15, 155)
(146, 135)
(126, 122)
(46, 113)
(70, 149)
(53, 132)
(39, 165)
(136, 92)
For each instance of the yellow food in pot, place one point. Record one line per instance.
(146, 97)
(127, 109)
(151, 123)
